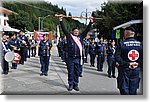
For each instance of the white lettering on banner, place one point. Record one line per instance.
(132, 43)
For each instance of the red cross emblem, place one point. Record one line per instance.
(133, 55)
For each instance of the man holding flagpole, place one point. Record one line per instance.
(75, 53)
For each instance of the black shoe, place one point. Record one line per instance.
(46, 74)
(113, 76)
(76, 88)
(101, 70)
(98, 69)
(70, 88)
(80, 75)
(12, 67)
(5, 73)
(41, 74)
(22, 63)
(93, 66)
(109, 76)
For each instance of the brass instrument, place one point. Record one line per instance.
(22, 42)
(15, 48)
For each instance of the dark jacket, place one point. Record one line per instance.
(21, 38)
(14, 42)
(124, 52)
(43, 49)
(100, 48)
(73, 50)
(92, 48)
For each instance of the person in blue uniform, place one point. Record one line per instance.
(23, 46)
(92, 52)
(111, 59)
(33, 46)
(75, 54)
(14, 45)
(86, 49)
(59, 45)
(64, 49)
(100, 54)
(5, 49)
(44, 53)
(128, 55)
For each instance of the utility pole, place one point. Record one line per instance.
(43, 20)
(39, 23)
(86, 13)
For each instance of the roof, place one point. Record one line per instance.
(6, 11)
(127, 24)
(7, 28)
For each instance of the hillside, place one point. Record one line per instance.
(29, 13)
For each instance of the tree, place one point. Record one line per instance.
(69, 14)
(29, 13)
(114, 14)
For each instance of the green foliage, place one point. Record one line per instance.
(114, 13)
(28, 14)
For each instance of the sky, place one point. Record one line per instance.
(76, 7)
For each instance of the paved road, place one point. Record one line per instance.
(26, 79)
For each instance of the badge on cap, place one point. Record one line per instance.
(133, 55)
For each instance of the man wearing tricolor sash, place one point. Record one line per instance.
(75, 53)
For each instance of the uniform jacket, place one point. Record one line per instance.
(43, 51)
(124, 52)
(86, 45)
(100, 48)
(6, 44)
(73, 50)
(92, 48)
(111, 51)
(14, 42)
(23, 37)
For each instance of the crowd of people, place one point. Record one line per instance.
(95, 50)
(17, 43)
(127, 56)
(74, 49)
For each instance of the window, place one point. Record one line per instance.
(5, 22)
(5, 15)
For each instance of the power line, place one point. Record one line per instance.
(36, 7)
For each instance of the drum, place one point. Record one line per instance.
(12, 57)
(17, 58)
(9, 56)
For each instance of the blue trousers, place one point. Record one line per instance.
(111, 65)
(86, 54)
(128, 81)
(63, 55)
(14, 65)
(92, 59)
(44, 60)
(100, 61)
(73, 71)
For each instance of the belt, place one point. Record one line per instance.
(75, 56)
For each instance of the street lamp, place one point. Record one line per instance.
(43, 20)
(39, 23)
(86, 13)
